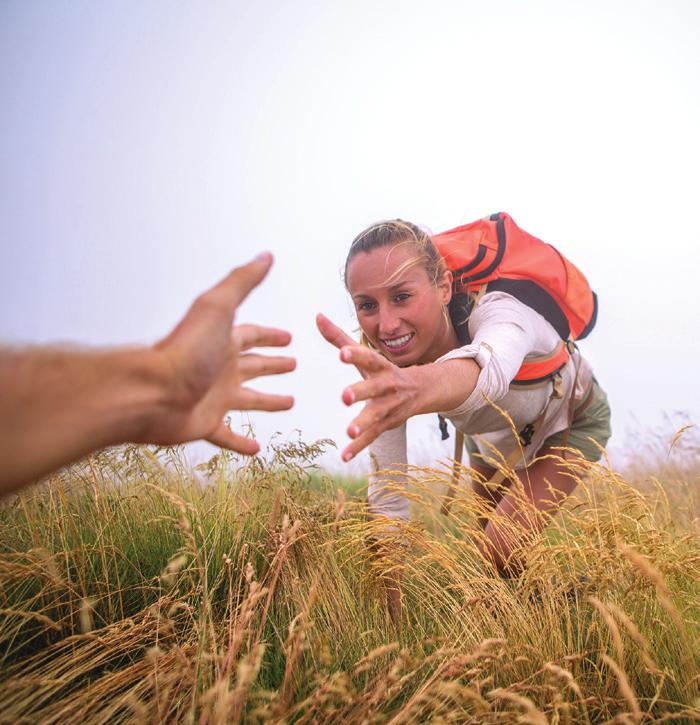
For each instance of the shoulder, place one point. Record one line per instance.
(503, 308)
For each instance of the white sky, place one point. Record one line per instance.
(147, 148)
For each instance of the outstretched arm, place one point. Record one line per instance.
(56, 405)
(395, 394)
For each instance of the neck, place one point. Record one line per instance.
(445, 342)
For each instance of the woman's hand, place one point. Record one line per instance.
(391, 392)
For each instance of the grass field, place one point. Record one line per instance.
(135, 589)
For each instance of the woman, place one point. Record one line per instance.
(414, 363)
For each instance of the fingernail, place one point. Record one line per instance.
(347, 456)
(353, 431)
(349, 397)
(263, 257)
(345, 355)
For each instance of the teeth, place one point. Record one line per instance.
(399, 341)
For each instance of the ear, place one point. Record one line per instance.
(444, 286)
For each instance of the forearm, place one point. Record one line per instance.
(57, 405)
(385, 490)
(444, 385)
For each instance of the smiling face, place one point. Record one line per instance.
(401, 310)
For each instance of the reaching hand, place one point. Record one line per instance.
(203, 356)
(391, 391)
(332, 333)
(57, 405)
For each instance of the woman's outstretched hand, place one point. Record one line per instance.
(333, 334)
(391, 392)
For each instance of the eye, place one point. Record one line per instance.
(401, 297)
(366, 306)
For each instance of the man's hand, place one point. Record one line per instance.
(59, 404)
(209, 363)
(391, 392)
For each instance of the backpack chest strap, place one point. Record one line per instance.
(539, 369)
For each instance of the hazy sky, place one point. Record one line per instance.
(146, 148)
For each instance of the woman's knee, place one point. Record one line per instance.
(499, 547)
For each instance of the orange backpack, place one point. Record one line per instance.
(495, 254)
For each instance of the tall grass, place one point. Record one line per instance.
(136, 589)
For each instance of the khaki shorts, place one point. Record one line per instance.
(593, 423)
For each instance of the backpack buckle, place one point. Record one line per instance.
(526, 434)
(557, 388)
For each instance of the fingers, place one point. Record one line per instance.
(332, 333)
(364, 359)
(224, 437)
(247, 399)
(254, 366)
(376, 414)
(360, 443)
(375, 417)
(367, 389)
(235, 287)
(210, 317)
(248, 336)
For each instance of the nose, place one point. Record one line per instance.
(389, 321)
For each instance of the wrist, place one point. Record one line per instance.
(142, 393)
(423, 396)
(442, 386)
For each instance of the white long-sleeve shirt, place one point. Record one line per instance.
(503, 331)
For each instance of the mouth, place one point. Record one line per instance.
(398, 344)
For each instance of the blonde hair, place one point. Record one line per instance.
(398, 232)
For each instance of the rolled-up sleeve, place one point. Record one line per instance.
(501, 336)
